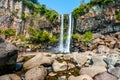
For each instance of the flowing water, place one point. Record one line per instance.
(65, 48)
(61, 47)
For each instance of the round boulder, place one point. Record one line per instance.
(8, 57)
(36, 73)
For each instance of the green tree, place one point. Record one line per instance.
(34, 1)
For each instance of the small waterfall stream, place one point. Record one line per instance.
(65, 48)
(67, 45)
(61, 47)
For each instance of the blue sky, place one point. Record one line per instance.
(62, 6)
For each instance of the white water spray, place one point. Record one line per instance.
(66, 48)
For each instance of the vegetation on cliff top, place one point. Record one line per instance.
(35, 7)
(84, 7)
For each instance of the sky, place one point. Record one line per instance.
(62, 6)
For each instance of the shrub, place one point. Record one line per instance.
(14, 12)
(8, 32)
(23, 17)
(118, 16)
(87, 37)
(44, 36)
(77, 36)
(21, 37)
(53, 39)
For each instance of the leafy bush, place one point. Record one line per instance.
(77, 37)
(8, 32)
(37, 36)
(107, 1)
(23, 17)
(81, 10)
(14, 12)
(118, 16)
(44, 36)
(53, 39)
(21, 37)
(34, 1)
(87, 37)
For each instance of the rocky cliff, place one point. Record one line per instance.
(100, 19)
(18, 15)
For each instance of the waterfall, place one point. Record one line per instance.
(61, 47)
(67, 46)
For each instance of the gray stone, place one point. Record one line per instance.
(10, 77)
(112, 59)
(105, 76)
(57, 66)
(5, 77)
(37, 60)
(103, 49)
(92, 71)
(98, 61)
(115, 71)
(81, 77)
(80, 58)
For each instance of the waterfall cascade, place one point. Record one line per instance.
(61, 47)
(65, 48)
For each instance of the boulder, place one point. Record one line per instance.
(115, 71)
(8, 57)
(81, 77)
(80, 58)
(103, 49)
(57, 66)
(112, 59)
(98, 61)
(10, 77)
(37, 60)
(92, 71)
(5, 77)
(36, 73)
(105, 76)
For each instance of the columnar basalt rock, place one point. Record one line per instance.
(102, 21)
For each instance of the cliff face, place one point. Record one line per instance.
(101, 19)
(11, 12)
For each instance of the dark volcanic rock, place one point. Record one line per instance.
(8, 56)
